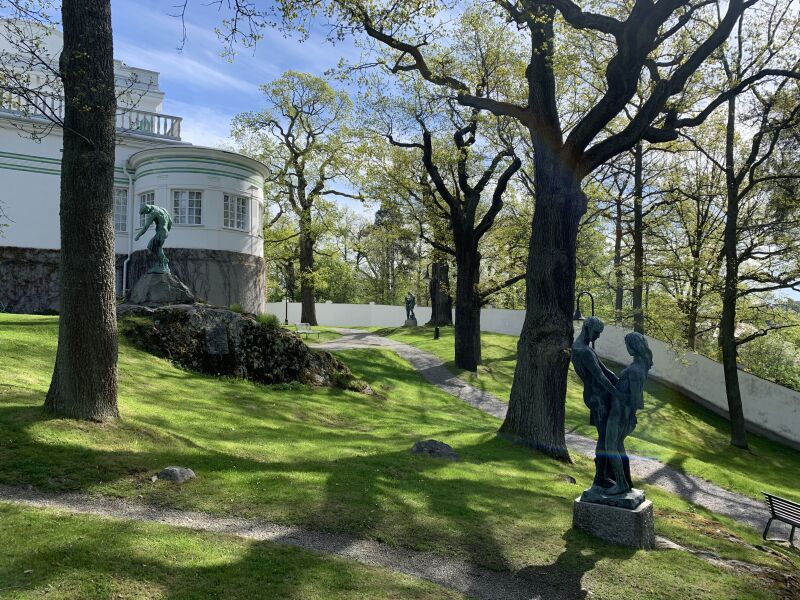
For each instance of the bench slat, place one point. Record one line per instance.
(783, 509)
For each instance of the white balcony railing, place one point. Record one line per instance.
(140, 122)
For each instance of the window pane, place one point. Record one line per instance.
(146, 198)
(120, 210)
(187, 207)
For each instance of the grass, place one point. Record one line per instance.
(338, 461)
(671, 428)
(56, 555)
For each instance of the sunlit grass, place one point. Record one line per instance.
(339, 461)
(671, 427)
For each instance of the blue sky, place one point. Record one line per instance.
(204, 88)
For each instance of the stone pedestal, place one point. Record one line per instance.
(616, 525)
(157, 289)
(410, 323)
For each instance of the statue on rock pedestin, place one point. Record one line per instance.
(612, 402)
(159, 216)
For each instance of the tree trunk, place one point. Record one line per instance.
(638, 241)
(535, 414)
(468, 306)
(727, 330)
(619, 291)
(84, 383)
(441, 301)
(308, 309)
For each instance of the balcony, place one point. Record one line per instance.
(131, 120)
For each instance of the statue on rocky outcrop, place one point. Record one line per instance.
(411, 302)
(159, 216)
(613, 402)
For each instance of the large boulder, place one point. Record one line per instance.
(219, 341)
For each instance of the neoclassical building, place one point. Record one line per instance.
(215, 198)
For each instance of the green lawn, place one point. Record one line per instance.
(57, 555)
(338, 461)
(671, 428)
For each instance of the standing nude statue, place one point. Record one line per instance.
(622, 416)
(159, 216)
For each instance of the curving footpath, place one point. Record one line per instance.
(460, 576)
(694, 489)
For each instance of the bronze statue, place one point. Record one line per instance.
(612, 402)
(622, 417)
(411, 302)
(598, 387)
(159, 216)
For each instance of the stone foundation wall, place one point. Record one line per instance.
(218, 277)
(28, 280)
(29, 277)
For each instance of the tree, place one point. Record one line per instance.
(84, 383)
(565, 151)
(766, 84)
(466, 175)
(302, 135)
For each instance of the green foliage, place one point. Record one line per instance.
(268, 320)
(237, 308)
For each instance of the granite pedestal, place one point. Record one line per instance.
(621, 526)
(410, 323)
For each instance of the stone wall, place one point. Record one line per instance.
(218, 277)
(28, 279)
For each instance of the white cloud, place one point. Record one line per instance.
(202, 126)
(180, 67)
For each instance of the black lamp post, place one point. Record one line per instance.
(578, 316)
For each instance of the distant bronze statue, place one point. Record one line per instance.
(159, 216)
(411, 302)
(612, 402)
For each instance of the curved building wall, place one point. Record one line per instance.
(218, 277)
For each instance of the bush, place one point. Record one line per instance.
(237, 308)
(268, 320)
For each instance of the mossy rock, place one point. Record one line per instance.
(219, 341)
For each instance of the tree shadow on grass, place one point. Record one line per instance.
(101, 558)
(406, 500)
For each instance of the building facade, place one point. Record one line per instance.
(215, 198)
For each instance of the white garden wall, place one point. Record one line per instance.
(770, 409)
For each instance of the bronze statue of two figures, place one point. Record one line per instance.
(612, 402)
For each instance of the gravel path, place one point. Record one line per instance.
(698, 491)
(456, 575)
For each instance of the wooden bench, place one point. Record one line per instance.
(782, 510)
(305, 329)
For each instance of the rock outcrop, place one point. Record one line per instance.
(219, 341)
(157, 289)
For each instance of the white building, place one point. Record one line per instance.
(215, 198)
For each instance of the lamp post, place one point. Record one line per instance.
(578, 316)
(286, 298)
